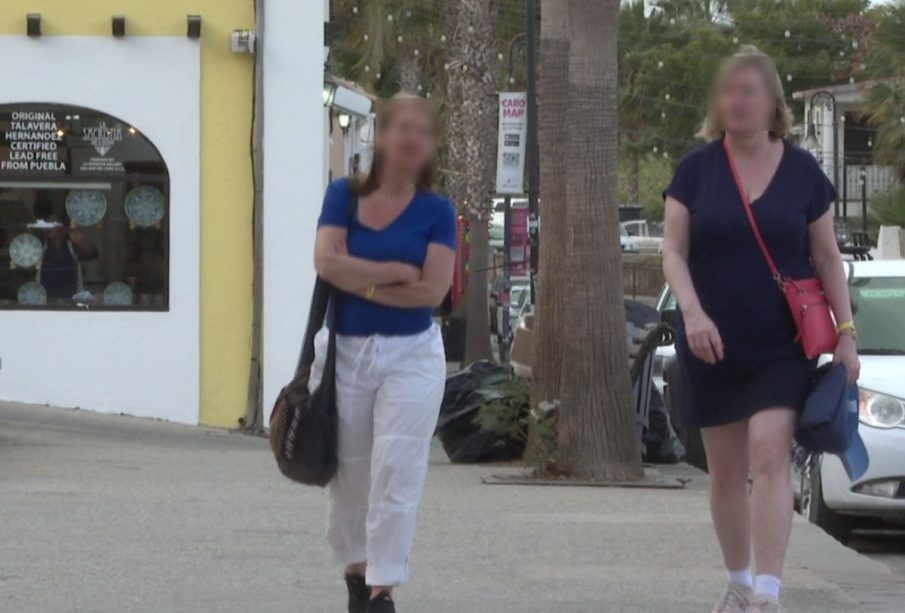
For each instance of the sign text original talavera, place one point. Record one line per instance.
(32, 143)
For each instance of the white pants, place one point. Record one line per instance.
(389, 390)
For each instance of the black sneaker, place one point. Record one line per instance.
(382, 604)
(359, 593)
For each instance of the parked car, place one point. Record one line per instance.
(647, 235)
(827, 497)
(520, 299)
(519, 302)
(626, 242)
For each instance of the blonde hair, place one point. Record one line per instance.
(748, 56)
(387, 110)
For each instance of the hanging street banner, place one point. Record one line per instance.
(513, 130)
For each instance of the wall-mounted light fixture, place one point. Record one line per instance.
(194, 26)
(33, 21)
(118, 25)
(329, 94)
(345, 120)
(242, 41)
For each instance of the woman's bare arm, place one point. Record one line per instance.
(703, 337)
(352, 274)
(675, 256)
(429, 290)
(828, 265)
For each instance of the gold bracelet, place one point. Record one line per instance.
(369, 293)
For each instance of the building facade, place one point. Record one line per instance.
(128, 202)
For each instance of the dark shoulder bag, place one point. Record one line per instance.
(304, 425)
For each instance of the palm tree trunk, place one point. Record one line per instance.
(554, 81)
(471, 148)
(409, 71)
(634, 170)
(596, 416)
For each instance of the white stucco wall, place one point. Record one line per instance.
(294, 162)
(144, 364)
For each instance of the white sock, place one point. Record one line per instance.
(767, 585)
(741, 578)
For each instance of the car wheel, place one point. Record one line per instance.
(814, 508)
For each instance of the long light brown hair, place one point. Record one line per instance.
(748, 56)
(387, 111)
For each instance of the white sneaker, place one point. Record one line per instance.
(765, 604)
(736, 599)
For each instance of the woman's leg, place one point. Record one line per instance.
(405, 417)
(769, 442)
(347, 506)
(727, 461)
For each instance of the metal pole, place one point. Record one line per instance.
(506, 288)
(864, 198)
(533, 153)
(835, 150)
(844, 189)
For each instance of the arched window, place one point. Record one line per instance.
(84, 212)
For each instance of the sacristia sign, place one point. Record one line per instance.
(513, 129)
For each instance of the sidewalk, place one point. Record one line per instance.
(115, 514)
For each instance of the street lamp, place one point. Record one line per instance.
(828, 101)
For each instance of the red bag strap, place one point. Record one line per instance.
(750, 214)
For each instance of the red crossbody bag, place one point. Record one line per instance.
(805, 297)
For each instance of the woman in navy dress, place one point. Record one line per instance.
(743, 377)
(393, 261)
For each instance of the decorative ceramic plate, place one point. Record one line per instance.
(118, 294)
(86, 207)
(32, 293)
(26, 250)
(145, 206)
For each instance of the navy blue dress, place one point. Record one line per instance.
(764, 366)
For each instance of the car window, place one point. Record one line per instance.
(671, 303)
(879, 308)
(518, 295)
(655, 230)
(623, 231)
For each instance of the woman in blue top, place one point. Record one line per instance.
(393, 262)
(743, 377)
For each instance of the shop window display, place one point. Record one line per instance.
(84, 212)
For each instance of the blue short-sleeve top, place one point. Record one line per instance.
(428, 218)
(728, 270)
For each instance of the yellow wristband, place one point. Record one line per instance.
(847, 325)
(369, 293)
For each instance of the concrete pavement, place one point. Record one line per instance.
(115, 514)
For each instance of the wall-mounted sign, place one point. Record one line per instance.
(32, 143)
(47, 140)
(513, 129)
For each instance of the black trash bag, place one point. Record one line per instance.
(661, 443)
(462, 437)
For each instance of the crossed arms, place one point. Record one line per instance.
(395, 284)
